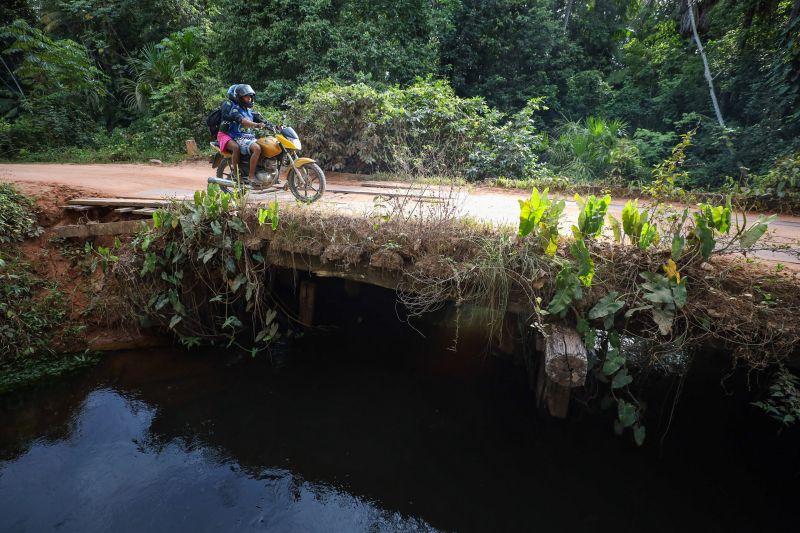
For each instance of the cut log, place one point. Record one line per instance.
(565, 359)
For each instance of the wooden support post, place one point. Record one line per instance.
(562, 365)
(565, 358)
(191, 148)
(308, 291)
(551, 398)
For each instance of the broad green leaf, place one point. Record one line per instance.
(613, 362)
(621, 379)
(232, 322)
(648, 235)
(626, 413)
(237, 282)
(607, 305)
(663, 317)
(678, 242)
(174, 321)
(238, 249)
(756, 231)
(237, 224)
(584, 262)
(616, 229)
(631, 220)
(568, 288)
(638, 434)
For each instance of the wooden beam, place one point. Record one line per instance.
(123, 227)
(120, 202)
(124, 209)
(144, 211)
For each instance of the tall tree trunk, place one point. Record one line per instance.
(567, 14)
(14, 78)
(710, 80)
(706, 69)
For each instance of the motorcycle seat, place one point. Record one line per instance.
(225, 153)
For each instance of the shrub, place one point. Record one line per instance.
(358, 128)
(17, 215)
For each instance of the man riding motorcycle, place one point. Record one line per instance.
(236, 117)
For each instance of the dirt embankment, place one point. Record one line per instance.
(78, 272)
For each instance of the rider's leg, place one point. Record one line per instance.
(233, 147)
(255, 151)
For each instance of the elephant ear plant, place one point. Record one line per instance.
(632, 290)
(192, 273)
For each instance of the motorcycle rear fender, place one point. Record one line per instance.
(303, 161)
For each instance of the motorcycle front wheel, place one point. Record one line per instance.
(307, 183)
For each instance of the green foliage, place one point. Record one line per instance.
(583, 260)
(512, 150)
(667, 296)
(783, 401)
(422, 127)
(595, 150)
(270, 213)
(34, 326)
(637, 227)
(540, 216)
(782, 180)
(710, 220)
(508, 51)
(204, 240)
(606, 308)
(60, 90)
(17, 215)
(592, 215)
(668, 174)
(568, 289)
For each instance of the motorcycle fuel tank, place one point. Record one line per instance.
(270, 147)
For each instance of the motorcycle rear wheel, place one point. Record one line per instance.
(225, 172)
(307, 183)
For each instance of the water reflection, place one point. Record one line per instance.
(401, 440)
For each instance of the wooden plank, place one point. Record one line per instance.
(123, 227)
(394, 185)
(144, 211)
(120, 202)
(124, 209)
(78, 207)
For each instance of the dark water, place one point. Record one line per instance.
(366, 435)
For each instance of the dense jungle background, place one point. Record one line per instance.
(544, 90)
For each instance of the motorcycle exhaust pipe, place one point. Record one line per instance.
(221, 182)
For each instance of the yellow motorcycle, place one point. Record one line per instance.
(305, 178)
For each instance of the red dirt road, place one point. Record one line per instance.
(135, 180)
